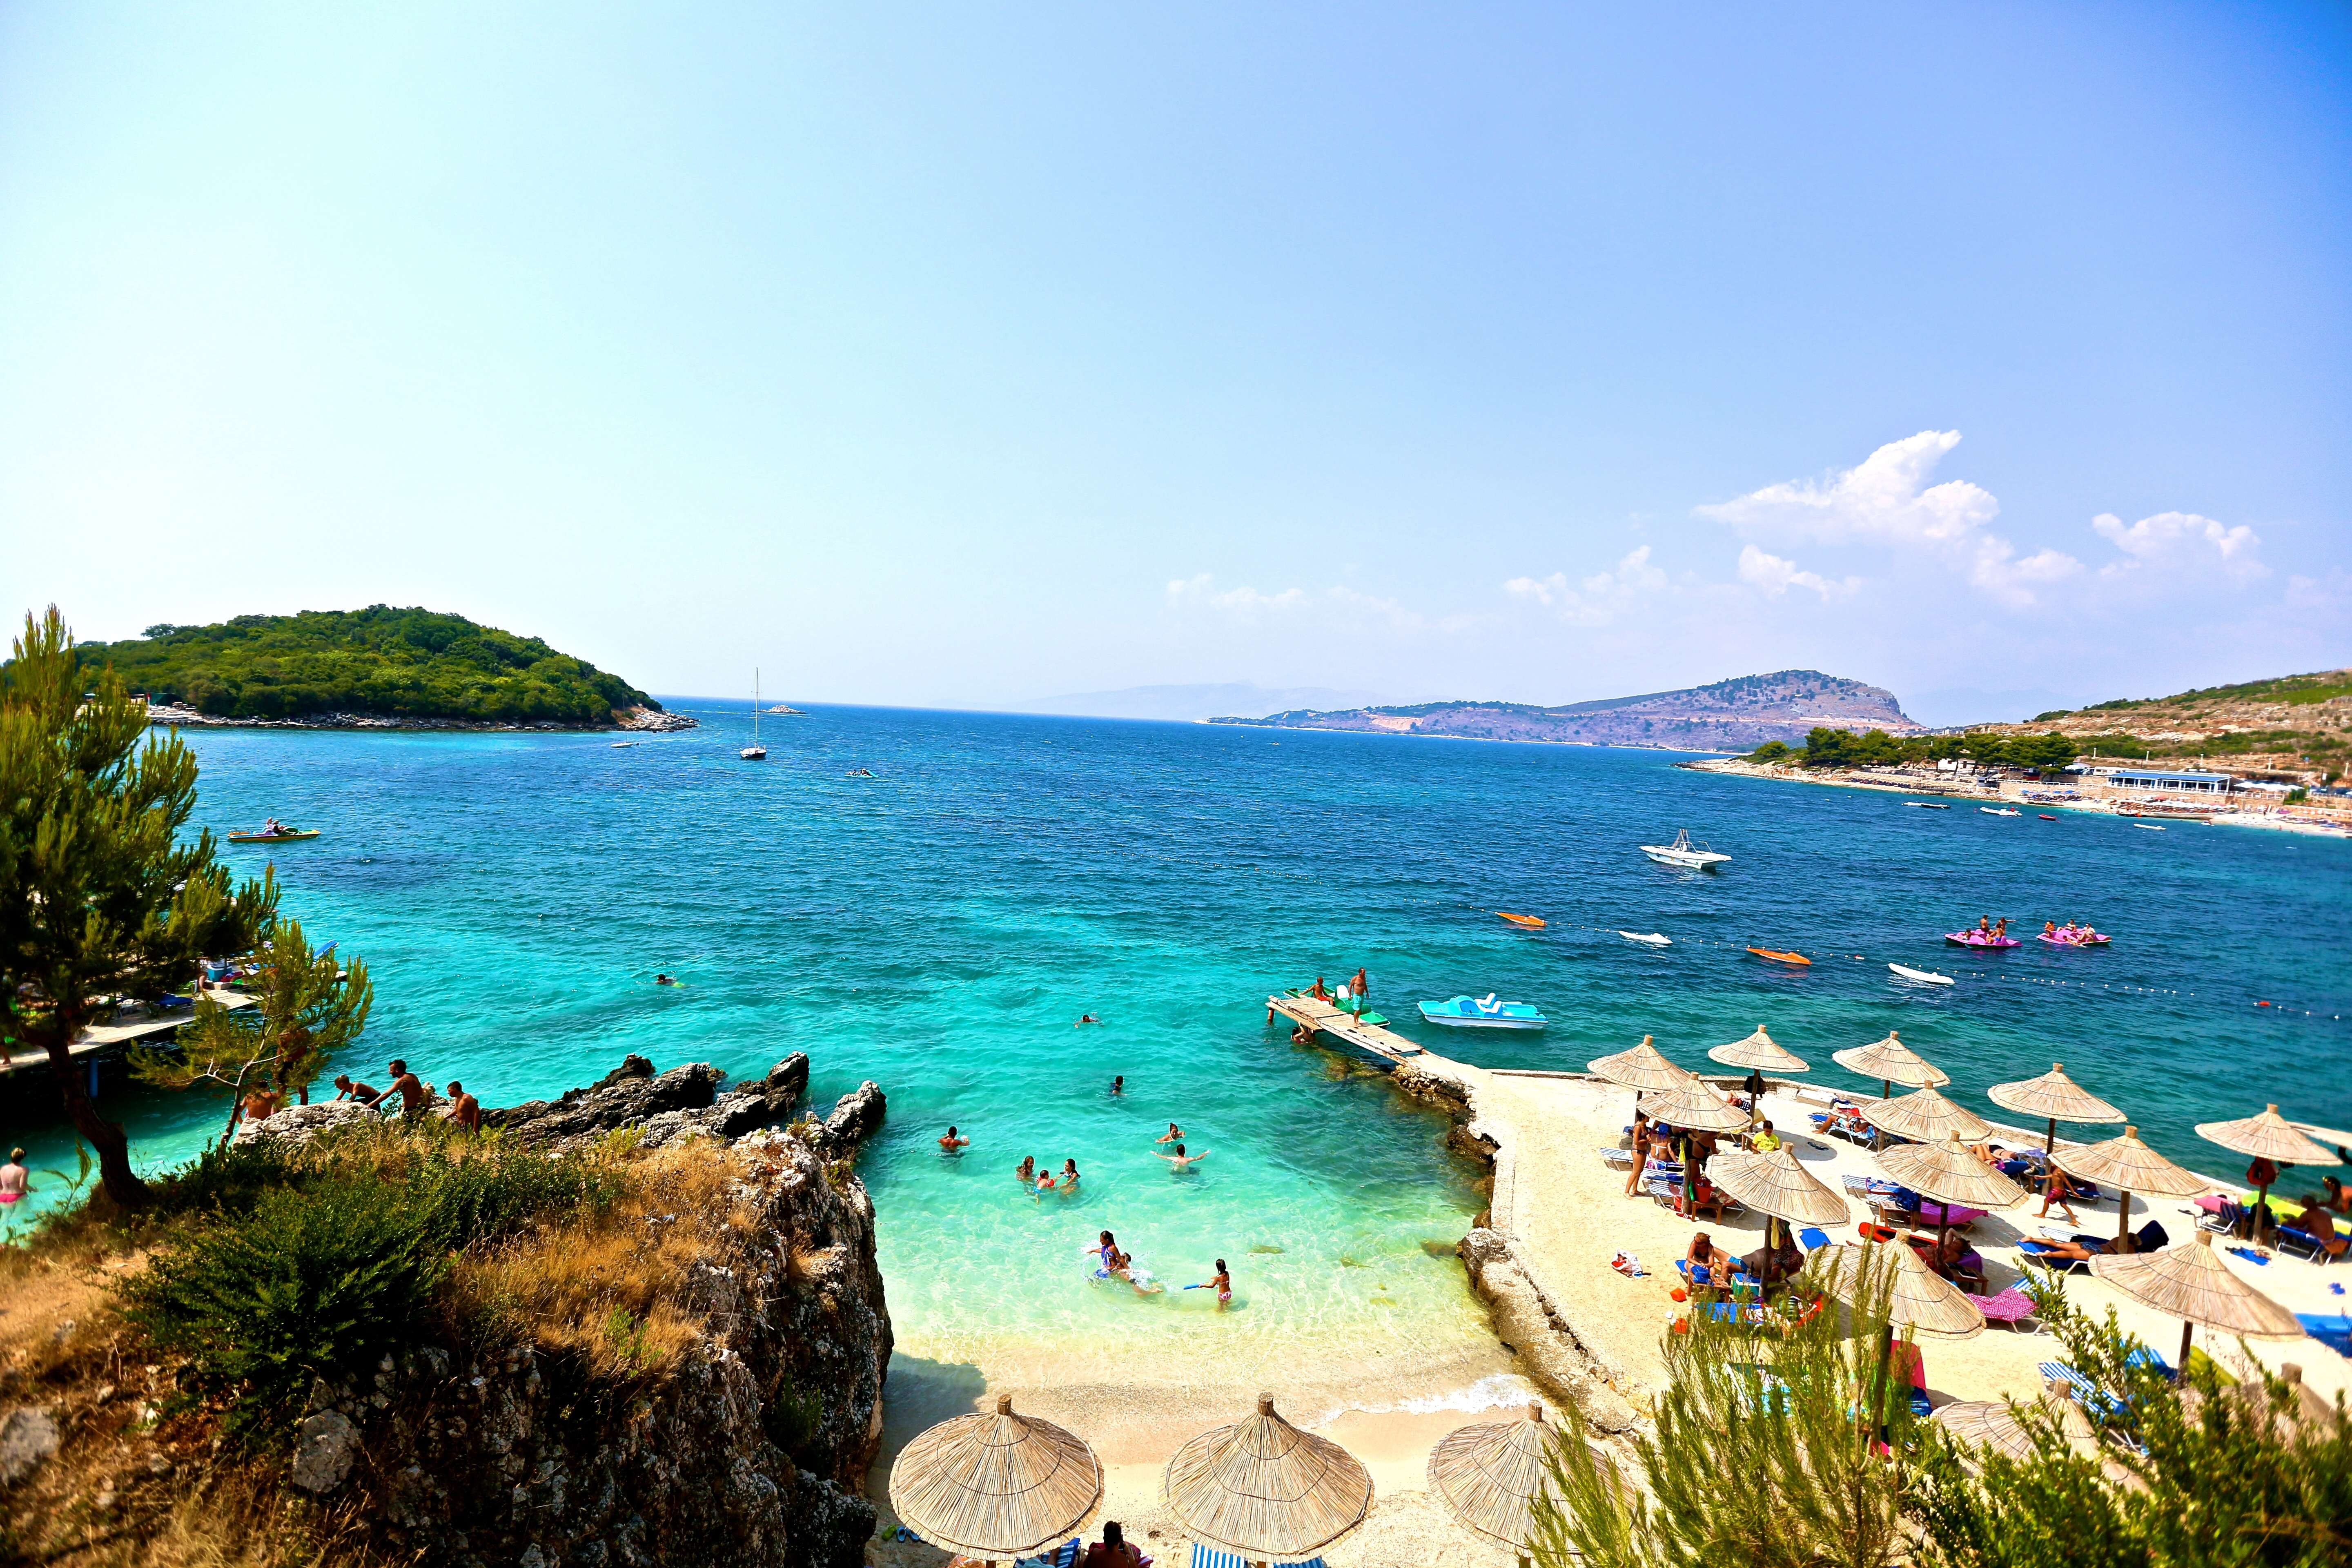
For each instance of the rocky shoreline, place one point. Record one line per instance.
(650, 721)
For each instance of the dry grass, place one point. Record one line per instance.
(606, 1284)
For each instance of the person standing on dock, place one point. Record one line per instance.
(1360, 985)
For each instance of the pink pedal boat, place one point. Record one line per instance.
(1980, 940)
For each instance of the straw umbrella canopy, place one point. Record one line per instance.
(1692, 1107)
(2189, 1283)
(2269, 1136)
(1264, 1488)
(1891, 1062)
(1950, 1174)
(1642, 1067)
(995, 1485)
(2131, 1166)
(1490, 1474)
(1920, 1299)
(1926, 1115)
(1993, 1424)
(1759, 1054)
(1777, 1184)
(2055, 1096)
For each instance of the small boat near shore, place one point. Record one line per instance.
(1796, 958)
(1928, 804)
(1525, 922)
(2092, 940)
(1923, 976)
(1653, 939)
(1487, 1012)
(2001, 811)
(1978, 940)
(1685, 856)
(283, 836)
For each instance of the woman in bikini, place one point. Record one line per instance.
(15, 1181)
(1641, 1152)
(1069, 1176)
(1223, 1284)
(1026, 1174)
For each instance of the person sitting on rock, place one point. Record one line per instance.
(258, 1105)
(465, 1110)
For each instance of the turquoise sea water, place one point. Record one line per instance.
(938, 928)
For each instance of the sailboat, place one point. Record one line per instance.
(755, 753)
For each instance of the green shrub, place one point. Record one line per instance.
(313, 1282)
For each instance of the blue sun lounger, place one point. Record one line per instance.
(1217, 1557)
(1062, 1556)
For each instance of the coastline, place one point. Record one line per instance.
(648, 721)
(2006, 792)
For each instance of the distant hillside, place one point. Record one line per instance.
(1190, 702)
(1729, 716)
(392, 663)
(2294, 724)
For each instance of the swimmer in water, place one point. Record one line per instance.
(1223, 1284)
(1180, 1161)
(1084, 1020)
(663, 980)
(1069, 1175)
(953, 1143)
(1174, 1134)
(1026, 1174)
(1119, 1084)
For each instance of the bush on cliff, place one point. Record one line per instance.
(317, 1261)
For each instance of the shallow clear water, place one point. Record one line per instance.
(939, 927)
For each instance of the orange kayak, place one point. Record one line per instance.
(1525, 922)
(1781, 957)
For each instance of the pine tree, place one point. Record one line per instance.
(305, 1011)
(99, 895)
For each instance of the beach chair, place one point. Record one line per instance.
(2095, 1401)
(2038, 1253)
(2303, 1244)
(2333, 1330)
(1062, 1556)
(2012, 1309)
(1621, 1158)
(1813, 1238)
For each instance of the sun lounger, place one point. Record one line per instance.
(1960, 1218)
(2333, 1330)
(1062, 1556)
(2012, 1308)
(1813, 1238)
(2036, 1252)
(1621, 1158)
(2303, 1244)
(1217, 1557)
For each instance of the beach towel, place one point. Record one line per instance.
(1628, 1265)
(2013, 1307)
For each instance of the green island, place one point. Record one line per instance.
(399, 664)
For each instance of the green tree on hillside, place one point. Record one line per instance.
(99, 895)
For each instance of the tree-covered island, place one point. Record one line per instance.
(381, 663)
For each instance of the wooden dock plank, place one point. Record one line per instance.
(91, 1041)
(1323, 1019)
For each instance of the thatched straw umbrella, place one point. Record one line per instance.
(1642, 1067)
(1921, 1297)
(1693, 1106)
(995, 1485)
(2055, 1096)
(1949, 1174)
(1759, 1054)
(1892, 1062)
(1490, 1474)
(2189, 1283)
(2130, 1166)
(1778, 1185)
(1991, 1424)
(1926, 1115)
(1264, 1488)
(2270, 1137)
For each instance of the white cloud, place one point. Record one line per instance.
(1242, 601)
(1888, 499)
(2177, 540)
(1776, 576)
(1885, 497)
(1596, 600)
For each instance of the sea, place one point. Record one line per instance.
(941, 926)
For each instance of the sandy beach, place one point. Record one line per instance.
(1569, 1327)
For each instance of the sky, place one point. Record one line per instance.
(2000, 355)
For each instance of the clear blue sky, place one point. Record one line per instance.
(965, 354)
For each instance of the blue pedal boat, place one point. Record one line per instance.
(1485, 1012)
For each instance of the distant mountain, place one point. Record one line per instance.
(1185, 703)
(1729, 716)
(2294, 726)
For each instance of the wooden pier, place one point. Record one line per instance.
(130, 1026)
(1320, 1018)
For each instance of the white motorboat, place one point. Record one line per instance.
(1922, 976)
(1681, 853)
(1652, 938)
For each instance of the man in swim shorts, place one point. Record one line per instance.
(363, 1094)
(1183, 1162)
(953, 1142)
(465, 1110)
(405, 1084)
(15, 1181)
